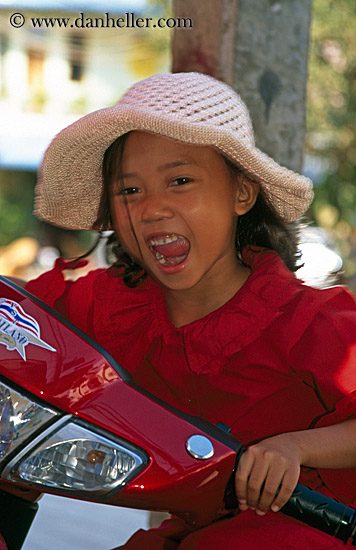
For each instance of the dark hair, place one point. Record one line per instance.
(261, 226)
(131, 272)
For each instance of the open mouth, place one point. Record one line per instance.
(169, 250)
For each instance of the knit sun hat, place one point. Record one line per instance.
(189, 107)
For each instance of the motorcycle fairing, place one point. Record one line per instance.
(81, 379)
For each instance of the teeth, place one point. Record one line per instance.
(160, 258)
(164, 240)
(159, 241)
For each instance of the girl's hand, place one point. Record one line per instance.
(271, 465)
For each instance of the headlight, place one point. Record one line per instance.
(74, 459)
(20, 418)
(65, 456)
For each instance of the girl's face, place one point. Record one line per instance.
(175, 211)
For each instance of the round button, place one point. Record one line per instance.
(200, 447)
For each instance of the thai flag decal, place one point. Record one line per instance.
(18, 329)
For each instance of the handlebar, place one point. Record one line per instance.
(322, 512)
(313, 508)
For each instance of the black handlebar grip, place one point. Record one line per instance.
(314, 509)
(310, 507)
(321, 512)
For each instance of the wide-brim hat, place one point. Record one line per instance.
(189, 107)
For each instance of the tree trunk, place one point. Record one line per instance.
(260, 47)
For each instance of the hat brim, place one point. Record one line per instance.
(70, 183)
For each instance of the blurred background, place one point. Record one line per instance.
(330, 147)
(51, 76)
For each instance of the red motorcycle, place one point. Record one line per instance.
(74, 423)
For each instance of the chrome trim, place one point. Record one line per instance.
(199, 447)
(33, 443)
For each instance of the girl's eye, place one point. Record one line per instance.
(181, 181)
(129, 191)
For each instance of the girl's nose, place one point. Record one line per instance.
(155, 207)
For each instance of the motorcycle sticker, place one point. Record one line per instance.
(18, 329)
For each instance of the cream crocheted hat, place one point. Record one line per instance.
(189, 107)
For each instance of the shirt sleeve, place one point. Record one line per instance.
(325, 358)
(72, 299)
(52, 286)
(324, 355)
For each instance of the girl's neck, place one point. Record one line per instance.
(187, 306)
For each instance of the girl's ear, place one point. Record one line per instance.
(246, 194)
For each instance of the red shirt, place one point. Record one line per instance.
(279, 356)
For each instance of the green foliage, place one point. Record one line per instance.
(331, 123)
(16, 200)
(331, 116)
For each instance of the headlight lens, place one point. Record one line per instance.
(64, 455)
(74, 458)
(20, 418)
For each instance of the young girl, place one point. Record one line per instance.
(201, 304)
